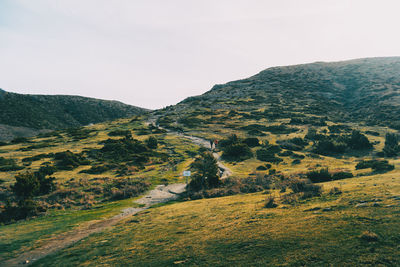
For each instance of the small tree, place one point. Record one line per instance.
(358, 141)
(206, 171)
(392, 147)
(26, 186)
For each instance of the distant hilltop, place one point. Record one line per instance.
(59, 111)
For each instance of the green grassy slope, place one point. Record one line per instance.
(59, 111)
(362, 91)
(239, 231)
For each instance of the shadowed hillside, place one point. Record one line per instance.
(59, 111)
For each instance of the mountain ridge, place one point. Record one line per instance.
(363, 90)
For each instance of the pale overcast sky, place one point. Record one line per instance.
(156, 53)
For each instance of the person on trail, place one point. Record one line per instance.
(215, 143)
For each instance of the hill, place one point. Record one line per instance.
(365, 91)
(307, 177)
(59, 111)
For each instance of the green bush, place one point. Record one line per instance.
(375, 165)
(319, 176)
(342, 175)
(120, 133)
(304, 186)
(98, 169)
(151, 142)
(68, 161)
(252, 141)
(329, 147)
(358, 141)
(268, 154)
(392, 147)
(9, 165)
(205, 173)
(236, 152)
(26, 186)
(234, 149)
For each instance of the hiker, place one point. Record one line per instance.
(215, 143)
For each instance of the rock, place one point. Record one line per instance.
(363, 204)
(26, 262)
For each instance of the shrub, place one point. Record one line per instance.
(313, 135)
(328, 147)
(123, 150)
(24, 209)
(285, 153)
(261, 168)
(9, 165)
(358, 141)
(290, 199)
(319, 176)
(29, 184)
(296, 162)
(233, 149)
(78, 133)
(125, 188)
(268, 155)
(68, 161)
(375, 165)
(98, 169)
(280, 129)
(392, 147)
(120, 133)
(306, 187)
(237, 152)
(335, 191)
(206, 172)
(26, 186)
(37, 157)
(151, 142)
(252, 141)
(341, 175)
(369, 236)
(295, 144)
(270, 202)
(19, 140)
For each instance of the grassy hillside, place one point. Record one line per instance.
(333, 229)
(362, 91)
(59, 111)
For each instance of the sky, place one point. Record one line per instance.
(155, 53)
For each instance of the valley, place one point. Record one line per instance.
(304, 170)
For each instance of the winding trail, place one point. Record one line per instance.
(160, 194)
(225, 171)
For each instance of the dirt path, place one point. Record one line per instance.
(225, 171)
(160, 194)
